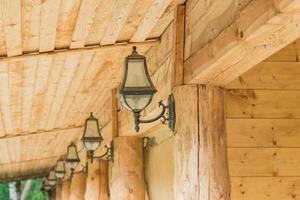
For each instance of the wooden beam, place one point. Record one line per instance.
(19, 178)
(104, 182)
(65, 52)
(201, 170)
(114, 118)
(262, 28)
(178, 51)
(77, 188)
(128, 171)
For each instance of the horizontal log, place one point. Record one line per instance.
(263, 132)
(271, 188)
(269, 75)
(264, 162)
(263, 104)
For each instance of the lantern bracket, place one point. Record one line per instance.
(167, 115)
(109, 154)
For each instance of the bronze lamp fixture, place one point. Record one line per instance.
(137, 90)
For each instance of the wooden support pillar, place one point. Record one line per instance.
(201, 170)
(58, 192)
(97, 181)
(77, 188)
(65, 190)
(128, 169)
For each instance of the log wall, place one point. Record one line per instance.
(263, 126)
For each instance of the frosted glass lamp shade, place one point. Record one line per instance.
(72, 159)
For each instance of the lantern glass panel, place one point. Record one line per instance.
(91, 145)
(138, 102)
(137, 75)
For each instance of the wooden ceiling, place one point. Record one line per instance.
(47, 87)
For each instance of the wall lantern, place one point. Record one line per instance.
(92, 137)
(136, 91)
(72, 159)
(46, 185)
(52, 178)
(60, 169)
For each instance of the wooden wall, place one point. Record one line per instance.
(263, 127)
(159, 167)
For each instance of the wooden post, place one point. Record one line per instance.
(201, 170)
(65, 191)
(58, 192)
(178, 51)
(77, 189)
(97, 181)
(128, 169)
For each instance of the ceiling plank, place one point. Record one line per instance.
(118, 20)
(11, 17)
(263, 28)
(30, 16)
(152, 16)
(66, 22)
(49, 18)
(84, 20)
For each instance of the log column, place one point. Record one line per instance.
(65, 190)
(128, 169)
(201, 170)
(78, 185)
(58, 192)
(97, 181)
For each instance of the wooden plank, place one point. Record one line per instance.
(54, 76)
(120, 13)
(120, 46)
(5, 99)
(264, 162)
(66, 22)
(273, 188)
(65, 190)
(136, 15)
(41, 83)
(73, 90)
(101, 20)
(15, 88)
(2, 38)
(28, 80)
(179, 20)
(269, 75)
(69, 67)
(152, 16)
(263, 132)
(49, 17)
(230, 54)
(128, 171)
(286, 54)
(263, 104)
(84, 20)
(11, 17)
(30, 15)
(186, 144)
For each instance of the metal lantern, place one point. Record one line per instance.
(136, 90)
(52, 178)
(72, 159)
(60, 169)
(46, 185)
(91, 136)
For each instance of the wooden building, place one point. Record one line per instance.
(232, 66)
